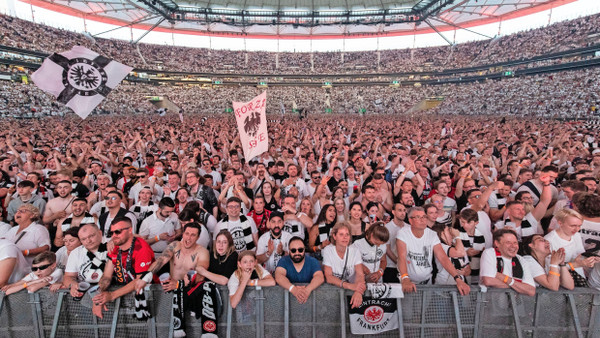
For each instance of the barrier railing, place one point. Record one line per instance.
(272, 312)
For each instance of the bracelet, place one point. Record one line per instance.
(157, 238)
(505, 279)
(25, 285)
(25, 252)
(147, 277)
(291, 287)
(554, 273)
(562, 264)
(380, 272)
(554, 266)
(571, 266)
(512, 281)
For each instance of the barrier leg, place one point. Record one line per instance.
(536, 315)
(457, 315)
(286, 314)
(517, 321)
(400, 320)
(260, 314)
(96, 330)
(593, 316)
(115, 319)
(314, 315)
(423, 306)
(343, 312)
(229, 315)
(152, 320)
(575, 316)
(1, 302)
(478, 309)
(172, 317)
(61, 297)
(36, 312)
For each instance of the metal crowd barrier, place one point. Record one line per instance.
(273, 312)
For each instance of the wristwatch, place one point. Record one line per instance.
(458, 277)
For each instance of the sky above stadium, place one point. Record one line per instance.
(41, 15)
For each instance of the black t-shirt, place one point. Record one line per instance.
(223, 267)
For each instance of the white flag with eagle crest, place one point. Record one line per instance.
(252, 124)
(79, 78)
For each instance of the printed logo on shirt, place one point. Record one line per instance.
(420, 259)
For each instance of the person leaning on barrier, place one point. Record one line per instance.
(29, 236)
(129, 260)
(223, 259)
(502, 267)
(43, 272)
(372, 249)
(553, 275)
(186, 257)
(298, 268)
(248, 273)
(342, 263)
(417, 245)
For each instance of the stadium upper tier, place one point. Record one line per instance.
(554, 38)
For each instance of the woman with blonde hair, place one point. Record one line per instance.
(342, 263)
(223, 259)
(248, 273)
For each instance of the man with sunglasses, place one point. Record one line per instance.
(143, 181)
(129, 261)
(114, 210)
(297, 268)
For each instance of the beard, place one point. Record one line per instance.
(297, 258)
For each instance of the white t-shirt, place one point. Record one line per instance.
(294, 227)
(205, 239)
(234, 282)
(56, 275)
(35, 236)
(590, 234)
(152, 226)
(333, 260)
(535, 268)
(236, 229)
(370, 254)
(9, 250)
(485, 227)
(393, 230)
(263, 245)
(489, 269)
(521, 231)
(573, 247)
(4, 227)
(419, 253)
(61, 258)
(80, 263)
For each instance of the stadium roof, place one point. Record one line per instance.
(299, 18)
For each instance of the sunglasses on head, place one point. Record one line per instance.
(299, 250)
(41, 267)
(116, 232)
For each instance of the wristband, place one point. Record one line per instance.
(380, 272)
(505, 279)
(147, 277)
(291, 287)
(512, 281)
(571, 266)
(25, 285)
(554, 266)
(314, 248)
(554, 273)
(25, 252)
(157, 238)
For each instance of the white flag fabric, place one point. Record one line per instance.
(252, 125)
(79, 78)
(373, 316)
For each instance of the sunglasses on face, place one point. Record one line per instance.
(112, 198)
(116, 232)
(299, 250)
(41, 267)
(142, 176)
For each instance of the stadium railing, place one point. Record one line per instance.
(271, 312)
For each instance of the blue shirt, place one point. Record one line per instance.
(311, 265)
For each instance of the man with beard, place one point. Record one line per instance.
(114, 210)
(75, 219)
(60, 206)
(162, 227)
(86, 262)
(186, 257)
(102, 181)
(273, 244)
(129, 261)
(297, 268)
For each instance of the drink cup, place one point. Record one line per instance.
(82, 287)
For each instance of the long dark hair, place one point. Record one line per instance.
(322, 215)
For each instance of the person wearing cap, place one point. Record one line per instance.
(127, 181)
(273, 245)
(25, 196)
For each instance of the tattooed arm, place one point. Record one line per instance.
(106, 276)
(163, 259)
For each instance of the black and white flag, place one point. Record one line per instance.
(79, 78)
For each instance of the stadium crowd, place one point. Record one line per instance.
(557, 37)
(508, 203)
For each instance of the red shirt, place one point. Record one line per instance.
(260, 220)
(141, 259)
